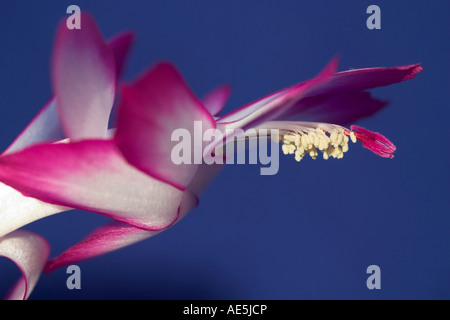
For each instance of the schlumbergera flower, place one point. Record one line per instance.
(68, 157)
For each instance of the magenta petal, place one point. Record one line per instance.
(364, 79)
(111, 237)
(29, 252)
(342, 99)
(92, 175)
(339, 108)
(84, 80)
(216, 99)
(151, 109)
(120, 46)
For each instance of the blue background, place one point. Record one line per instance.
(308, 232)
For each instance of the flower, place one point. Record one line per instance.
(68, 157)
(310, 115)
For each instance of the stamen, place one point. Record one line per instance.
(333, 143)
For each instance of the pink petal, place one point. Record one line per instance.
(341, 100)
(120, 46)
(151, 109)
(111, 237)
(339, 108)
(92, 175)
(84, 79)
(364, 79)
(216, 99)
(29, 252)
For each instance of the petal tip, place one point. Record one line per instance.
(414, 70)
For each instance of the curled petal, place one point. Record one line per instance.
(29, 252)
(84, 80)
(151, 110)
(92, 175)
(111, 237)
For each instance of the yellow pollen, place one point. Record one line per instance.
(311, 141)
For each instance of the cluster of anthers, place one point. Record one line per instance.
(333, 143)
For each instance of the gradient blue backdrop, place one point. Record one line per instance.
(308, 232)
